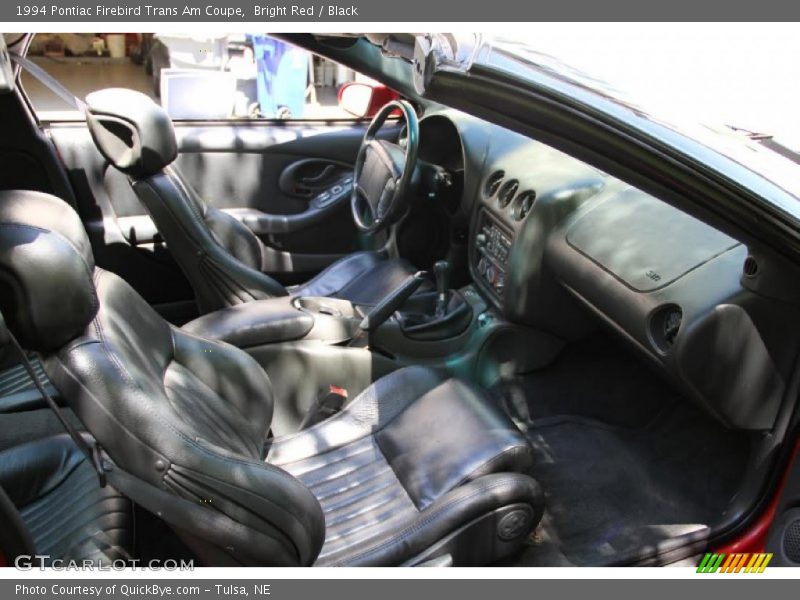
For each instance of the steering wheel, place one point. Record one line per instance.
(383, 172)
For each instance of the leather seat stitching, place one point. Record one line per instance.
(488, 466)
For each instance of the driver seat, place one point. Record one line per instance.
(222, 258)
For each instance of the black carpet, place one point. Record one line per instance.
(625, 462)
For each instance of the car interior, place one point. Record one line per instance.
(416, 339)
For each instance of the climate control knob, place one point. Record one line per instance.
(491, 274)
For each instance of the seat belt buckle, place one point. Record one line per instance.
(326, 406)
(332, 402)
(338, 391)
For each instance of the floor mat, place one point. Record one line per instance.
(628, 466)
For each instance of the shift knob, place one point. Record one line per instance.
(441, 270)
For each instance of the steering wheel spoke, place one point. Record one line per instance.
(365, 209)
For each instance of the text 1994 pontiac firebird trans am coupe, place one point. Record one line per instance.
(510, 320)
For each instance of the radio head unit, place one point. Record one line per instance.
(492, 253)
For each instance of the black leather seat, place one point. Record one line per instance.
(417, 466)
(222, 258)
(59, 507)
(406, 465)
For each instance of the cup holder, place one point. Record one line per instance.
(330, 307)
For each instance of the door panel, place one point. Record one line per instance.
(261, 172)
(237, 180)
(268, 175)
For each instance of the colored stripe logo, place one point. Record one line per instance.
(734, 563)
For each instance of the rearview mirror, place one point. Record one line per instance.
(365, 99)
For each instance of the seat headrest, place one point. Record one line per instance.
(47, 292)
(131, 131)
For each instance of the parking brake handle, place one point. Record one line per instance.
(381, 312)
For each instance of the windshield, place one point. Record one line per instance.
(719, 85)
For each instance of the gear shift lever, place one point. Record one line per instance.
(441, 270)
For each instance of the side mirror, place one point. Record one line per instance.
(364, 99)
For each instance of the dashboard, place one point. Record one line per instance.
(557, 245)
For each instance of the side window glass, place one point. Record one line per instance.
(239, 76)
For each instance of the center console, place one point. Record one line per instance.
(424, 324)
(307, 344)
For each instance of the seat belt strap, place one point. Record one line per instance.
(50, 82)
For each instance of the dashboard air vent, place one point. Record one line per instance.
(665, 324)
(507, 192)
(672, 324)
(750, 268)
(493, 183)
(523, 204)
